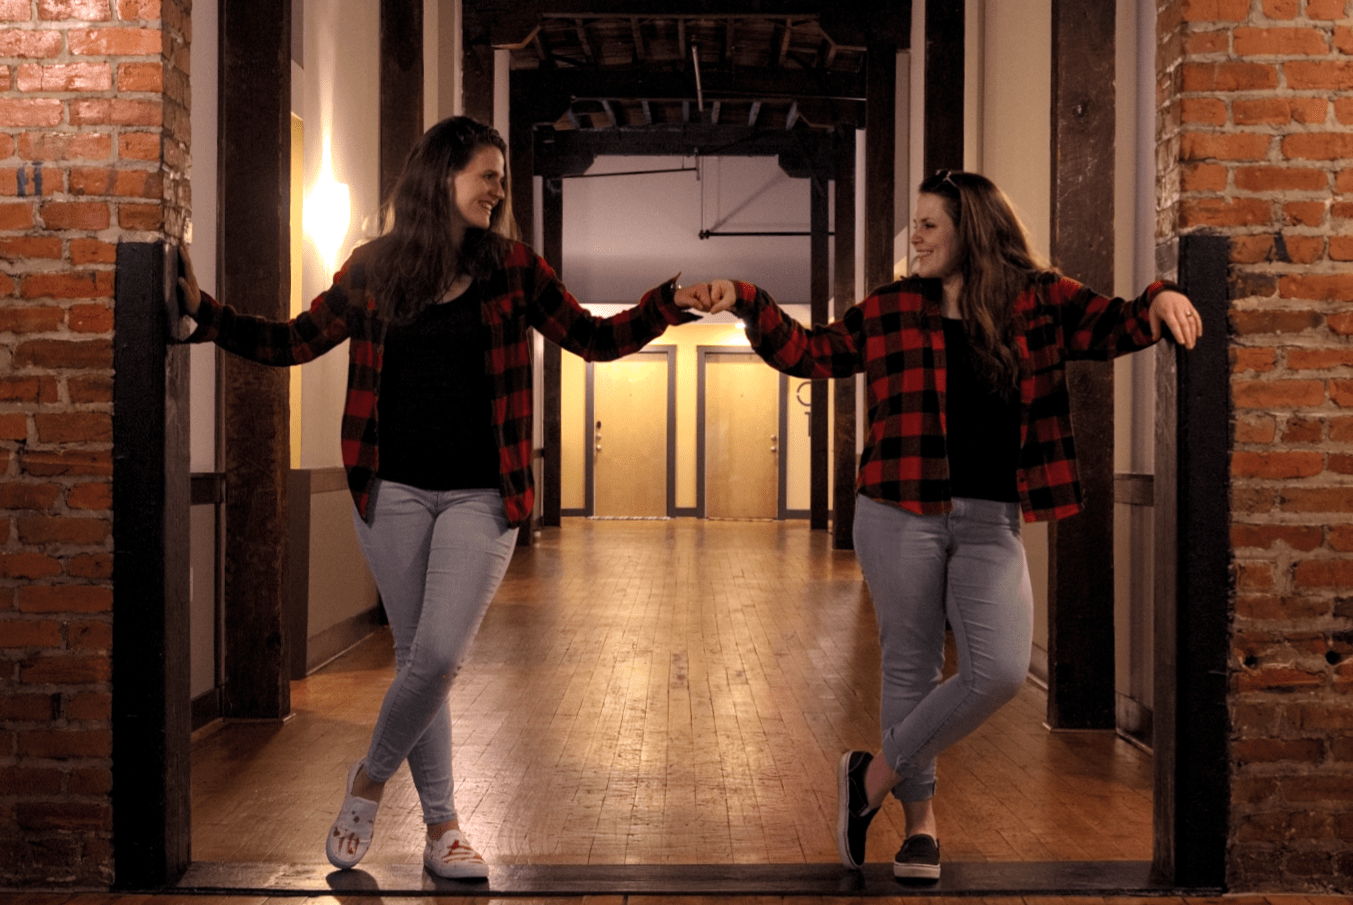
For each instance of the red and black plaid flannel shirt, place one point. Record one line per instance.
(896, 338)
(525, 293)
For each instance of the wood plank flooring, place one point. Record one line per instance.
(660, 693)
(665, 692)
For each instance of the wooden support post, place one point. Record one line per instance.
(944, 65)
(1080, 549)
(819, 294)
(151, 713)
(477, 62)
(880, 165)
(255, 277)
(552, 479)
(843, 426)
(401, 109)
(1192, 591)
(521, 167)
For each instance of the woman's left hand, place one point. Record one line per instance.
(1176, 311)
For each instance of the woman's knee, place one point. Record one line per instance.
(1002, 682)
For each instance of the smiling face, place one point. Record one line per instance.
(478, 189)
(934, 238)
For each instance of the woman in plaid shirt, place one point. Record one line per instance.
(436, 435)
(969, 433)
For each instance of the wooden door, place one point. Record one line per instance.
(742, 423)
(629, 437)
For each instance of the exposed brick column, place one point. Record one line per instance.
(1256, 144)
(93, 132)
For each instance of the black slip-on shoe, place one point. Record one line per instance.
(918, 859)
(853, 813)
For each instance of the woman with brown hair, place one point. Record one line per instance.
(436, 435)
(969, 433)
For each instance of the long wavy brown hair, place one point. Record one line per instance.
(997, 263)
(414, 262)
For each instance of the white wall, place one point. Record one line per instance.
(342, 108)
(622, 235)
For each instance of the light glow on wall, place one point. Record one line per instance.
(328, 212)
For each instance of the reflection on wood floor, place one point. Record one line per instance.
(665, 692)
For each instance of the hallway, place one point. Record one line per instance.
(664, 693)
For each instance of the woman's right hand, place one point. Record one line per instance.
(190, 296)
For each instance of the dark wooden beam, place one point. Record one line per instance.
(1192, 583)
(636, 28)
(254, 275)
(401, 88)
(819, 294)
(552, 246)
(151, 716)
(802, 152)
(848, 22)
(522, 169)
(478, 20)
(843, 419)
(584, 41)
(944, 49)
(880, 165)
(722, 84)
(1080, 550)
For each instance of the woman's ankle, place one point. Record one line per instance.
(364, 786)
(437, 830)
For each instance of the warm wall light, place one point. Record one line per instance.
(328, 211)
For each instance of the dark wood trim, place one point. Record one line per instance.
(254, 276)
(843, 419)
(1193, 593)
(296, 616)
(801, 153)
(880, 166)
(961, 879)
(819, 297)
(208, 488)
(206, 708)
(945, 45)
(477, 67)
(1081, 649)
(151, 716)
(401, 86)
(552, 244)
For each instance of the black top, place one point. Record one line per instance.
(434, 418)
(982, 430)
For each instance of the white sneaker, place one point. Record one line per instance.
(350, 836)
(451, 857)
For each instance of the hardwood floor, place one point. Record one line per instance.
(665, 692)
(645, 696)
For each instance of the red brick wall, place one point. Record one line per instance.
(93, 133)
(1256, 143)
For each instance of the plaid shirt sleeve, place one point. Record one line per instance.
(831, 350)
(1097, 327)
(553, 310)
(281, 344)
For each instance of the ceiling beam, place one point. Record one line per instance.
(583, 41)
(786, 84)
(801, 154)
(640, 54)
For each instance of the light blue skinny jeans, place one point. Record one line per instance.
(438, 558)
(970, 566)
